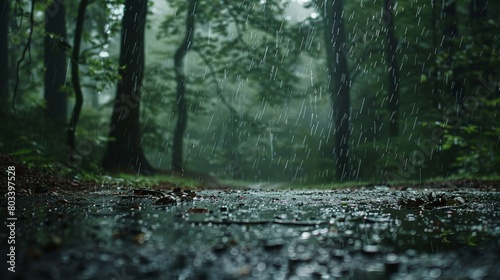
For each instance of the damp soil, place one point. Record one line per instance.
(376, 232)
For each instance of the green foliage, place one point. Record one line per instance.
(141, 182)
(474, 144)
(393, 160)
(240, 58)
(98, 62)
(248, 72)
(28, 137)
(247, 41)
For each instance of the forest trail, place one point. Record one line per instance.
(233, 234)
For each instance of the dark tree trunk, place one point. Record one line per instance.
(393, 94)
(182, 114)
(55, 62)
(124, 151)
(339, 84)
(4, 47)
(75, 78)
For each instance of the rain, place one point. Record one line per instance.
(270, 139)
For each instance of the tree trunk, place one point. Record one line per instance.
(124, 151)
(4, 47)
(393, 96)
(75, 77)
(338, 84)
(182, 118)
(55, 62)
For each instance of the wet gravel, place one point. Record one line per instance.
(375, 233)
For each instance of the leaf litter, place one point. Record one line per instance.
(397, 232)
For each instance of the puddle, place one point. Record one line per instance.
(363, 234)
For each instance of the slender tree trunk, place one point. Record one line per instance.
(124, 151)
(392, 43)
(182, 114)
(75, 77)
(55, 62)
(339, 84)
(4, 50)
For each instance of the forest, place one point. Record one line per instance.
(251, 139)
(297, 91)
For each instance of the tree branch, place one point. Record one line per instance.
(218, 88)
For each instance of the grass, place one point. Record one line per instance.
(135, 181)
(357, 184)
(94, 174)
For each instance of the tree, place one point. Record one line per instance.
(339, 83)
(391, 47)
(124, 149)
(4, 47)
(55, 47)
(227, 58)
(75, 78)
(180, 79)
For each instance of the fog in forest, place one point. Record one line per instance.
(307, 92)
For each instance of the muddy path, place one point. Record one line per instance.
(373, 233)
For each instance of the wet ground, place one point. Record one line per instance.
(373, 233)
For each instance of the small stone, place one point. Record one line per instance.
(371, 249)
(391, 263)
(166, 200)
